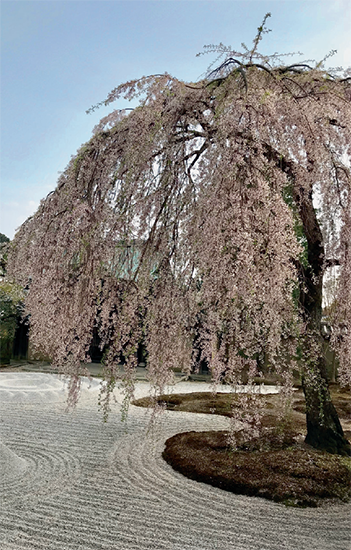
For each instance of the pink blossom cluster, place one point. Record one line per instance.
(206, 183)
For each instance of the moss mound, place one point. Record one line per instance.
(293, 475)
(197, 402)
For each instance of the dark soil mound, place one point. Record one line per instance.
(295, 475)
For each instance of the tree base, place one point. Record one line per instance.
(326, 439)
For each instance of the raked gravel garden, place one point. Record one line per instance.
(70, 481)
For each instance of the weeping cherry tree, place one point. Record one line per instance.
(190, 223)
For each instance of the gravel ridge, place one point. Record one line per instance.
(87, 485)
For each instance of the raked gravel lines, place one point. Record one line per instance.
(79, 484)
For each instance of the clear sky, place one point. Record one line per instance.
(60, 57)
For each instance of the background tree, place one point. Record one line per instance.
(4, 239)
(215, 180)
(4, 245)
(11, 305)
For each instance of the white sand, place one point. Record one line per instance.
(11, 465)
(69, 481)
(39, 387)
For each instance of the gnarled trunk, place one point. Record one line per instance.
(324, 430)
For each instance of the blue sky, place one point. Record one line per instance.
(60, 57)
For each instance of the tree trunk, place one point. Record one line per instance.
(324, 430)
